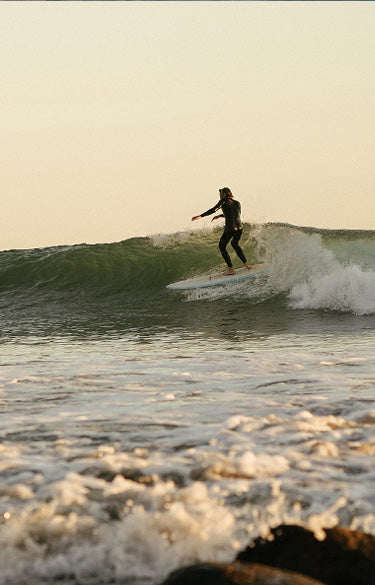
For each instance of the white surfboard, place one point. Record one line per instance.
(217, 278)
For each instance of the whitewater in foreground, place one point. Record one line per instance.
(143, 429)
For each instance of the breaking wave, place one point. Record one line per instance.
(306, 268)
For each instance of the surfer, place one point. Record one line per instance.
(233, 227)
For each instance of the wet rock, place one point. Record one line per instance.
(236, 574)
(344, 557)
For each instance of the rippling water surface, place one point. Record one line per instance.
(142, 429)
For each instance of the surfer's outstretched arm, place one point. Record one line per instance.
(208, 212)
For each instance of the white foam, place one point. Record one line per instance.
(160, 528)
(300, 264)
(347, 289)
(243, 464)
(92, 530)
(10, 457)
(18, 491)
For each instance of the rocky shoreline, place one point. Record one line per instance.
(291, 555)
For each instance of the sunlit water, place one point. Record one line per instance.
(126, 456)
(147, 430)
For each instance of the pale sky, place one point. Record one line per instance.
(121, 119)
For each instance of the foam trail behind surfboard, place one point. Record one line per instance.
(207, 280)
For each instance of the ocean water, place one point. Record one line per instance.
(143, 429)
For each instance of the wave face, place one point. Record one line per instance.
(307, 268)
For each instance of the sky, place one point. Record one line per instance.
(122, 119)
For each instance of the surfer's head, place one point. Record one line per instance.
(225, 193)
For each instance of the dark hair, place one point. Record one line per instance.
(226, 192)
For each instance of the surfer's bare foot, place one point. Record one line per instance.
(230, 272)
(248, 266)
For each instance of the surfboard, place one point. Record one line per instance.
(216, 279)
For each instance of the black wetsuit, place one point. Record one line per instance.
(233, 227)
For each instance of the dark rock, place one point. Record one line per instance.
(344, 557)
(236, 574)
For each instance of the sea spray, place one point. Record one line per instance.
(343, 289)
(315, 278)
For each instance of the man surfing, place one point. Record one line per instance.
(233, 227)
